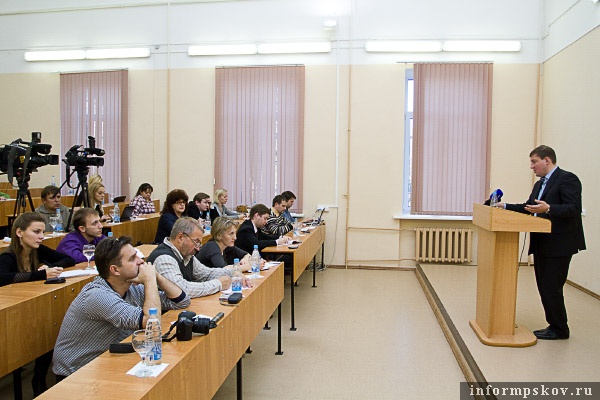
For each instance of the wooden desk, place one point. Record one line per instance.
(141, 229)
(49, 240)
(302, 256)
(7, 207)
(30, 317)
(197, 368)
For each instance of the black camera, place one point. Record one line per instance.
(21, 158)
(187, 324)
(79, 156)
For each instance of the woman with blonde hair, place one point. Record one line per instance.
(96, 192)
(218, 208)
(220, 250)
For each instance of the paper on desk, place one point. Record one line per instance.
(156, 369)
(78, 272)
(269, 264)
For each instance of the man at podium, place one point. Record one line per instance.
(556, 196)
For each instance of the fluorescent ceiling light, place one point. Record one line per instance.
(135, 52)
(404, 46)
(330, 24)
(56, 55)
(222, 49)
(287, 48)
(482, 45)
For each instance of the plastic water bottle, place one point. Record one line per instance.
(207, 222)
(296, 228)
(255, 262)
(494, 199)
(52, 181)
(116, 214)
(237, 270)
(110, 234)
(154, 336)
(59, 221)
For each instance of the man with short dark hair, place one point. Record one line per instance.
(557, 197)
(51, 203)
(289, 198)
(249, 233)
(174, 259)
(87, 230)
(277, 225)
(111, 307)
(199, 207)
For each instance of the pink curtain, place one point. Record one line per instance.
(259, 125)
(451, 137)
(95, 104)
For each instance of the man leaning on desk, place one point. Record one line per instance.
(174, 259)
(87, 230)
(110, 308)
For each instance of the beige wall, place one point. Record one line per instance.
(357, 109)
(570, 123)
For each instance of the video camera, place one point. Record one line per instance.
(20, 158)
(79, 156)
(187, 323)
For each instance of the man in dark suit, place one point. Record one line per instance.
(557, 197)
(249, 233)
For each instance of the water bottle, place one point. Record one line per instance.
(237, 270)
(236, 279)
(255, 262)
(59, 221)
(110, 234)
(494, 199)
(116, 214)
(154, 336)
(52, 181)
(296, 228)
(207, 222)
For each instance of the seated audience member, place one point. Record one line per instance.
(87, 230)
(26, 259)
(199, 207)
(91, 180)
(277, 225)
(220, 250)
(289, 198)
(142, 202)
(112, 306)
(96, 192)
(249, 233)
(174, 259)
(173, 209)
(219, 209)
(51, 198)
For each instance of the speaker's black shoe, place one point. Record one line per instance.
(541, 330)
(551, 334)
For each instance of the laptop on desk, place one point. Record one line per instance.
(127, 213)
(119, 199)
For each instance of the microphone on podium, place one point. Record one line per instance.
(496, 196)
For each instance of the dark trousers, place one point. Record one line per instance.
(551, 276)
(40, 370)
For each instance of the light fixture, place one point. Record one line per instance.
(54, 55)
(330, 25)
(482, 45)
(221, 49)
(134, 52)
(404, 46)
(94, 54)
(299, 47)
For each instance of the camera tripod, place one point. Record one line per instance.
(80, 190)
(23, 195)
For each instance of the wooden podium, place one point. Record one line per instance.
(497, 269)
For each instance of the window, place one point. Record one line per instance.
(259, 132)
(408, 139)
(95, 104)
(450, 137)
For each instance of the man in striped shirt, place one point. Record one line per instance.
(277, 225)
(111, 307)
